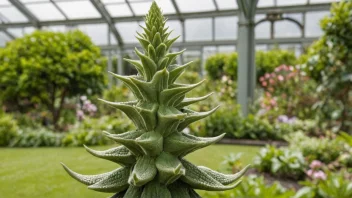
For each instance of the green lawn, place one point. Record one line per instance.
(36, 173)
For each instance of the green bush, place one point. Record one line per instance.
(283, 162)
(215, 64)
(46, 68)
(8, 129)
(254, 187)
(230, 67)
(42, 137)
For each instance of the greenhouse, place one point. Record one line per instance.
(185, 98)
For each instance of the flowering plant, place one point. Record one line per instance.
(84, 107)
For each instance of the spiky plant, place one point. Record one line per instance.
(151, 157)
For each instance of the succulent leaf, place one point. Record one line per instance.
(169, 168)
(143, 172)
(114, 182)
(155, 189)
(120, 155)
(224, 178)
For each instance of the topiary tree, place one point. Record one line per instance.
(152, 156)
(47, 68)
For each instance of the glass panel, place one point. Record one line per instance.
(142, 8)
(312, 28)
(97, 32)
(226, 49)
(284, 29)
(28, 30)
(33, 1)
(17, 32)
(45, 11)
(4, 39)
(57, 28)
(297, 16)
(296, 48)
(265, 3)
(198, 29)
(226, 28)
(195, 5)
(79, 10)
(4, 3)
(119, 10)
(166, 6)
(113, 39)
(112, 1)
(262, 30)
(177, 29)
(261, 48)
(227, 4)
(295, 2)
(12, 14)
(322, 1)
(128, 31)
(209, 50)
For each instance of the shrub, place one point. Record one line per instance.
(215, 64)
(281, 162)
(254, 187)
(46, 68)
(230, 67)
(39, 137)
(8, 129)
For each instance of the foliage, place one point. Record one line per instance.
(230, 68)
(232, 162)
(46, 68)
(8, 129)
(215, 64)
(335, 185)
(254, 187)
(152, 155)
(41, 137)
(287, 91)
(281, 162)
(326, 149)
(331, 59)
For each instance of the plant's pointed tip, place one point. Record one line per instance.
(107, 133)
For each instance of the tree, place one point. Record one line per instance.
(46, 68)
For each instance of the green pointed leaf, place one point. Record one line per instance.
(157, 39)
(179, 190)
(155, 190)
(169, 119)
(198, 179)
(161, 50)
(114, 182)
(160, 80)
(163, 63)
(173, 56)
(147, 92)
(143, 42)
(189, 101)
(148, 64)
(119, 195)
(224, 178)
(152, 53)
(169, 97)
(169, 43)
(176, 72)
(138, 65)
(133, 191)
(131, 112)
(147, 111)
(143, 172)
(192, 117)
(151, 143)
(129, 83)
(120, 155)
(128, 140)
(85, 179)
(180, 144)
(169, 168)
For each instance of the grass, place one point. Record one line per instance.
(28, 173)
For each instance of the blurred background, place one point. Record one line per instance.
(294, 126)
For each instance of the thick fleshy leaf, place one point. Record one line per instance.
(163, 63)
(152, 53)
(169, 119)
(147, 111)
(161, 50)
(157, 39)
(133, 191)
(169, 168)
(129, 83)
(198, 179)
(120, 155)
(179, 190)
(224, 178)
(144, 42)
(143, 172)
(151, 143)
(117, 181)
(176, 71)
(119, 195)
(85, 179)
(189, 101)
(148, 64)
(128, 139)
(131, 112)
(173, 56)
(155, 190)
(192, 117)
(169, 97)
(170, 42)
(180, 144)
(138, 65)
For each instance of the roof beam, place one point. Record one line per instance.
(108, 19)
(58, 8)
(216, 5)
(233, 12)
(130, 7)
(33, 19)
(178, 12)
(9, 34)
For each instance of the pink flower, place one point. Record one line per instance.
(277, 69)
(80, 114)
(319, 175)
(261, 79)
(267, 75)
(267, 94)
(316, 164)
(281, 78)
(310, 172)
(273, 102)
(271, 81)
(264, 84)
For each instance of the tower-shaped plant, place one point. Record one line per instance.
(151, 157)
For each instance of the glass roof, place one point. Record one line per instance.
(202, 20)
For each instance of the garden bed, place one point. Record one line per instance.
(253, 142)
